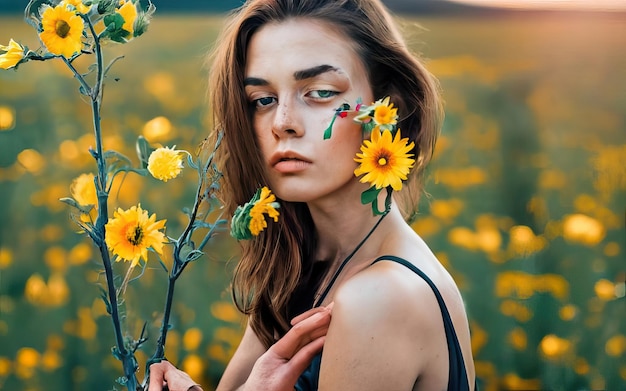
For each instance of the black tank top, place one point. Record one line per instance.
(457, 375)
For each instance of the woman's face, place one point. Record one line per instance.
(298, 72)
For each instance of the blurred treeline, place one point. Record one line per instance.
(208, 6)
(526, 202)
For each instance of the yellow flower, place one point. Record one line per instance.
(78, 5)
(385, 113)
(249, 219)
(512, 381)
(604, 289)
(192, 339)
(128, 10)
(616, 345)
(381, 112)
(14, 53)
(194, 366)
(83, 190)
(583, 229)
(518, 339)
(553, 347)
(62, 30)
(265, 205)
(385, 162)
(523, 241)
(131, 232)
(27, 357)
(165, 163)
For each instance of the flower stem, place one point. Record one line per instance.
(121, 352)
(177, 268)
(78, 76)
(159, 353)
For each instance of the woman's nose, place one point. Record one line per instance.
(287, 121)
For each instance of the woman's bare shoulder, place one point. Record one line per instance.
(382, 318)
(390, 287)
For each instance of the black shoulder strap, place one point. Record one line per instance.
(457, 376)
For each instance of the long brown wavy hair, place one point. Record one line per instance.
(274, 264)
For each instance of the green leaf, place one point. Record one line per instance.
(118, 36)
(83, 91)
(70, 202)
(193, 255)
(106, 6)
(144, 150)
(368, 127)
(73, 203)
(118, 156)
(114, 22)
(143, 20)
(370, 195)
(114, 30)
(105, 298)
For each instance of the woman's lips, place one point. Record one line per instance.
(291, 165)
(289, 162)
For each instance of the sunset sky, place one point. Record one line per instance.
(595, 5)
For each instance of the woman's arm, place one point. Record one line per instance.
(240, 366)
(254, 368)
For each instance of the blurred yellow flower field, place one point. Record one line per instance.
(526, 202)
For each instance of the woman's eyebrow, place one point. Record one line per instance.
(313, 71)
(297, 75)
(255, 81)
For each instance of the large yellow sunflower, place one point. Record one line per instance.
(131, 232)
(62, 30)
(385, 160)
(14, 53)
(165, 163)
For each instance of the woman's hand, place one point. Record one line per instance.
(278, 369)
(164, 374)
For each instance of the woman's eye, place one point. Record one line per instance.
(322, 94)
(265, 101)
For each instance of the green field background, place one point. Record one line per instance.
(526, 202)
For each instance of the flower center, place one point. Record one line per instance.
(382, 114)
(135, 236)
(382, 161)
(62, 28)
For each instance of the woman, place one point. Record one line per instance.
(291, 87)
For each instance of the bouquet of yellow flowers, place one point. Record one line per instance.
(67, 30)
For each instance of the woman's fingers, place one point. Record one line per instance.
(281, 365)
(157, 375)
(301, 360)
(310, 312)
(301, 334)
(164, 373)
